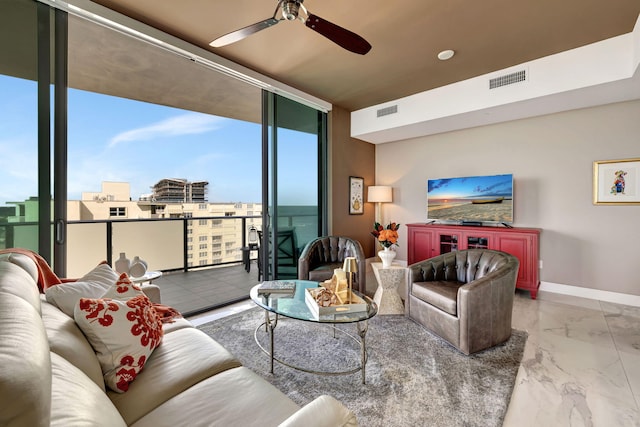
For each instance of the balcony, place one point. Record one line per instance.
(202, 265)
(197, 291)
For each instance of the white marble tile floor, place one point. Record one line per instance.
(581, 365)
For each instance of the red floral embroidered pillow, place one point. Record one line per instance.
(123, 333)
(123, 289)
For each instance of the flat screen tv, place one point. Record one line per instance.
(471, 199)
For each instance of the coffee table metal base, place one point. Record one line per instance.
(270, 326)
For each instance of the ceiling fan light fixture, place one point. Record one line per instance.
(290, 10)
(446, 54)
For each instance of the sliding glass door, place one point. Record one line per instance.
(31, 82)
(294, 179)
(95, 121)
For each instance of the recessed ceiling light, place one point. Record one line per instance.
(446, 54)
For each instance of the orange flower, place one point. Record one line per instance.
(386, 236)
(390, 236)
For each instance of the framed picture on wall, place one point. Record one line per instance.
(616, 182)
(356, 195)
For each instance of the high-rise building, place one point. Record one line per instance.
(180, 190)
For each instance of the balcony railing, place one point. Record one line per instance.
(190, 283)
(166, 244)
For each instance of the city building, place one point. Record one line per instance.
(179, 190)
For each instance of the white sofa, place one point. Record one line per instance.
(50, 376)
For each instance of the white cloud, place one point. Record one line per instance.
(186, 124)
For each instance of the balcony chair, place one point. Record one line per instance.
(465, 297)
(324, 254)
(286, 252)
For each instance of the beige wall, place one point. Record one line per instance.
(349, 157)
(551, 158)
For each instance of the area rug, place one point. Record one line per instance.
(413, 378)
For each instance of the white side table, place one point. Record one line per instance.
(149, 276)
(387, 296)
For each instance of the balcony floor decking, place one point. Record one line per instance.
(202, 290)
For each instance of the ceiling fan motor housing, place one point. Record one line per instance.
(290, 9)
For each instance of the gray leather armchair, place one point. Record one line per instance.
(465, 297)
(324, 254)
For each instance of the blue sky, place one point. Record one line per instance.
(116, 139)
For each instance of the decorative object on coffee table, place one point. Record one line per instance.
(350, 267)
(286, 287)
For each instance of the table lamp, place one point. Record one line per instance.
(350, 267)
(379, 194)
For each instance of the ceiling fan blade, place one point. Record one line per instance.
(342, 37)
(240, 34)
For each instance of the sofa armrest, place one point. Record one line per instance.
(152, 292)
(324, 411)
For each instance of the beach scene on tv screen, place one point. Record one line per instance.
(473, 198)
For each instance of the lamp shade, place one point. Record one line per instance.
(380, 194)
(350, 265)
(253, 234)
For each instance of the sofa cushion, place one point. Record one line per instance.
(236, 397)
(323, 411)
(441, 294)
(23, 261)
(186, 357)
(123, 333)
(78, 401)
(18, 282)
(176, 324)
(92, 285)
(25, 369)
(68, 341)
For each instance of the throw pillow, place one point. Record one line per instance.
(123, 289)
(94, 284)
(102, 273)
(123, 332)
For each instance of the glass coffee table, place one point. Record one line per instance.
(295, 307)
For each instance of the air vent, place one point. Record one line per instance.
(508, 79)
(387, 110)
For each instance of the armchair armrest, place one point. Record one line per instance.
(324, 411)
(485, 309)
(152, 292)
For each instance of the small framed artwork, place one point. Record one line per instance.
(356, 195)
(616, 182)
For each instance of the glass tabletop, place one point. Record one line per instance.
(296, 307)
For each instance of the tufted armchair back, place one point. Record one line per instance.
(324, 254)
(459, 266)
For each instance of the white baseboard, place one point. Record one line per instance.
(596, 294)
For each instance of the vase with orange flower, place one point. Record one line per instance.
(387, 237)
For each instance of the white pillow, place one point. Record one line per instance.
(123, 332)
(102, 273)
(92, 285)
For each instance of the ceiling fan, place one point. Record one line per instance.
(289, 10)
